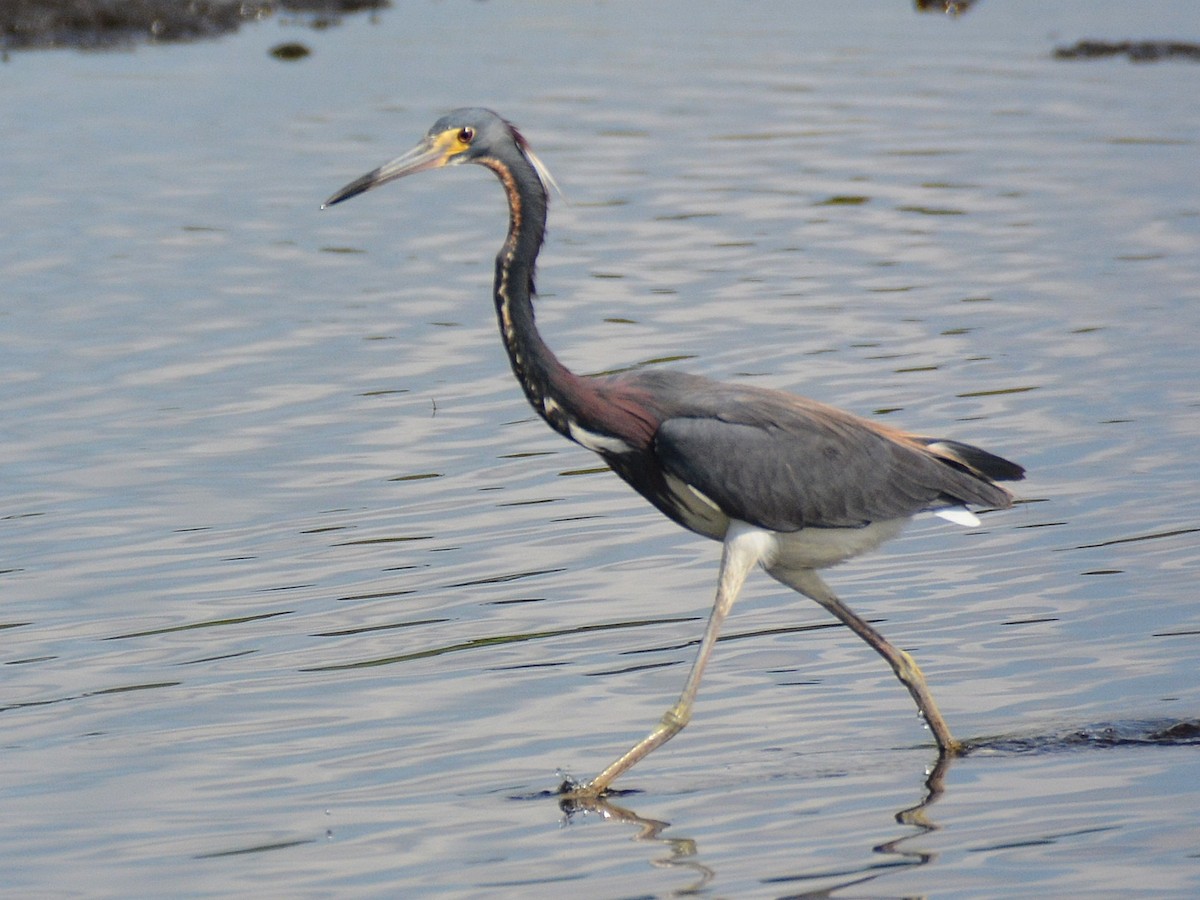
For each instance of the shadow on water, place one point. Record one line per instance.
(683, 852)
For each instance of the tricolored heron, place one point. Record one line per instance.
(783, 482)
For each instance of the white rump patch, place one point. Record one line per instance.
(959, 515)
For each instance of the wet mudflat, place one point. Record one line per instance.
(299, 597)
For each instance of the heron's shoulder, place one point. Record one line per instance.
(683, 395)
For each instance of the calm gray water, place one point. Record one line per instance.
(299, 599)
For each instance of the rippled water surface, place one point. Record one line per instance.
(300, 599)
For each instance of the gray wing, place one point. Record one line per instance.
(785, 463)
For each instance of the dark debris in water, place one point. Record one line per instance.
(1137, 51)
(101, 24)
(1179, 733)
(290, 51)
(1184, 732)
(949, 7)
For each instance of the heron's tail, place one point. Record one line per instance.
(975, 461)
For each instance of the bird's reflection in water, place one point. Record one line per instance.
(683, 852)
(916, 816)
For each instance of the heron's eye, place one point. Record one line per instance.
(466, 134)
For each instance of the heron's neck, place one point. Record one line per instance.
(551, 388)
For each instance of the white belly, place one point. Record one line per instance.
(817, 548)
(809, 548)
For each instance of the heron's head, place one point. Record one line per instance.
(462, 136)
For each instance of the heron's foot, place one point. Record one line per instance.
(954, 749)
(575, 798)
(950, 747)
(570, 789)
(588, 793)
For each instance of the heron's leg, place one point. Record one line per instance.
(744, 547)
(809, 583)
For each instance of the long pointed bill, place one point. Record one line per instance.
(429, 154)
